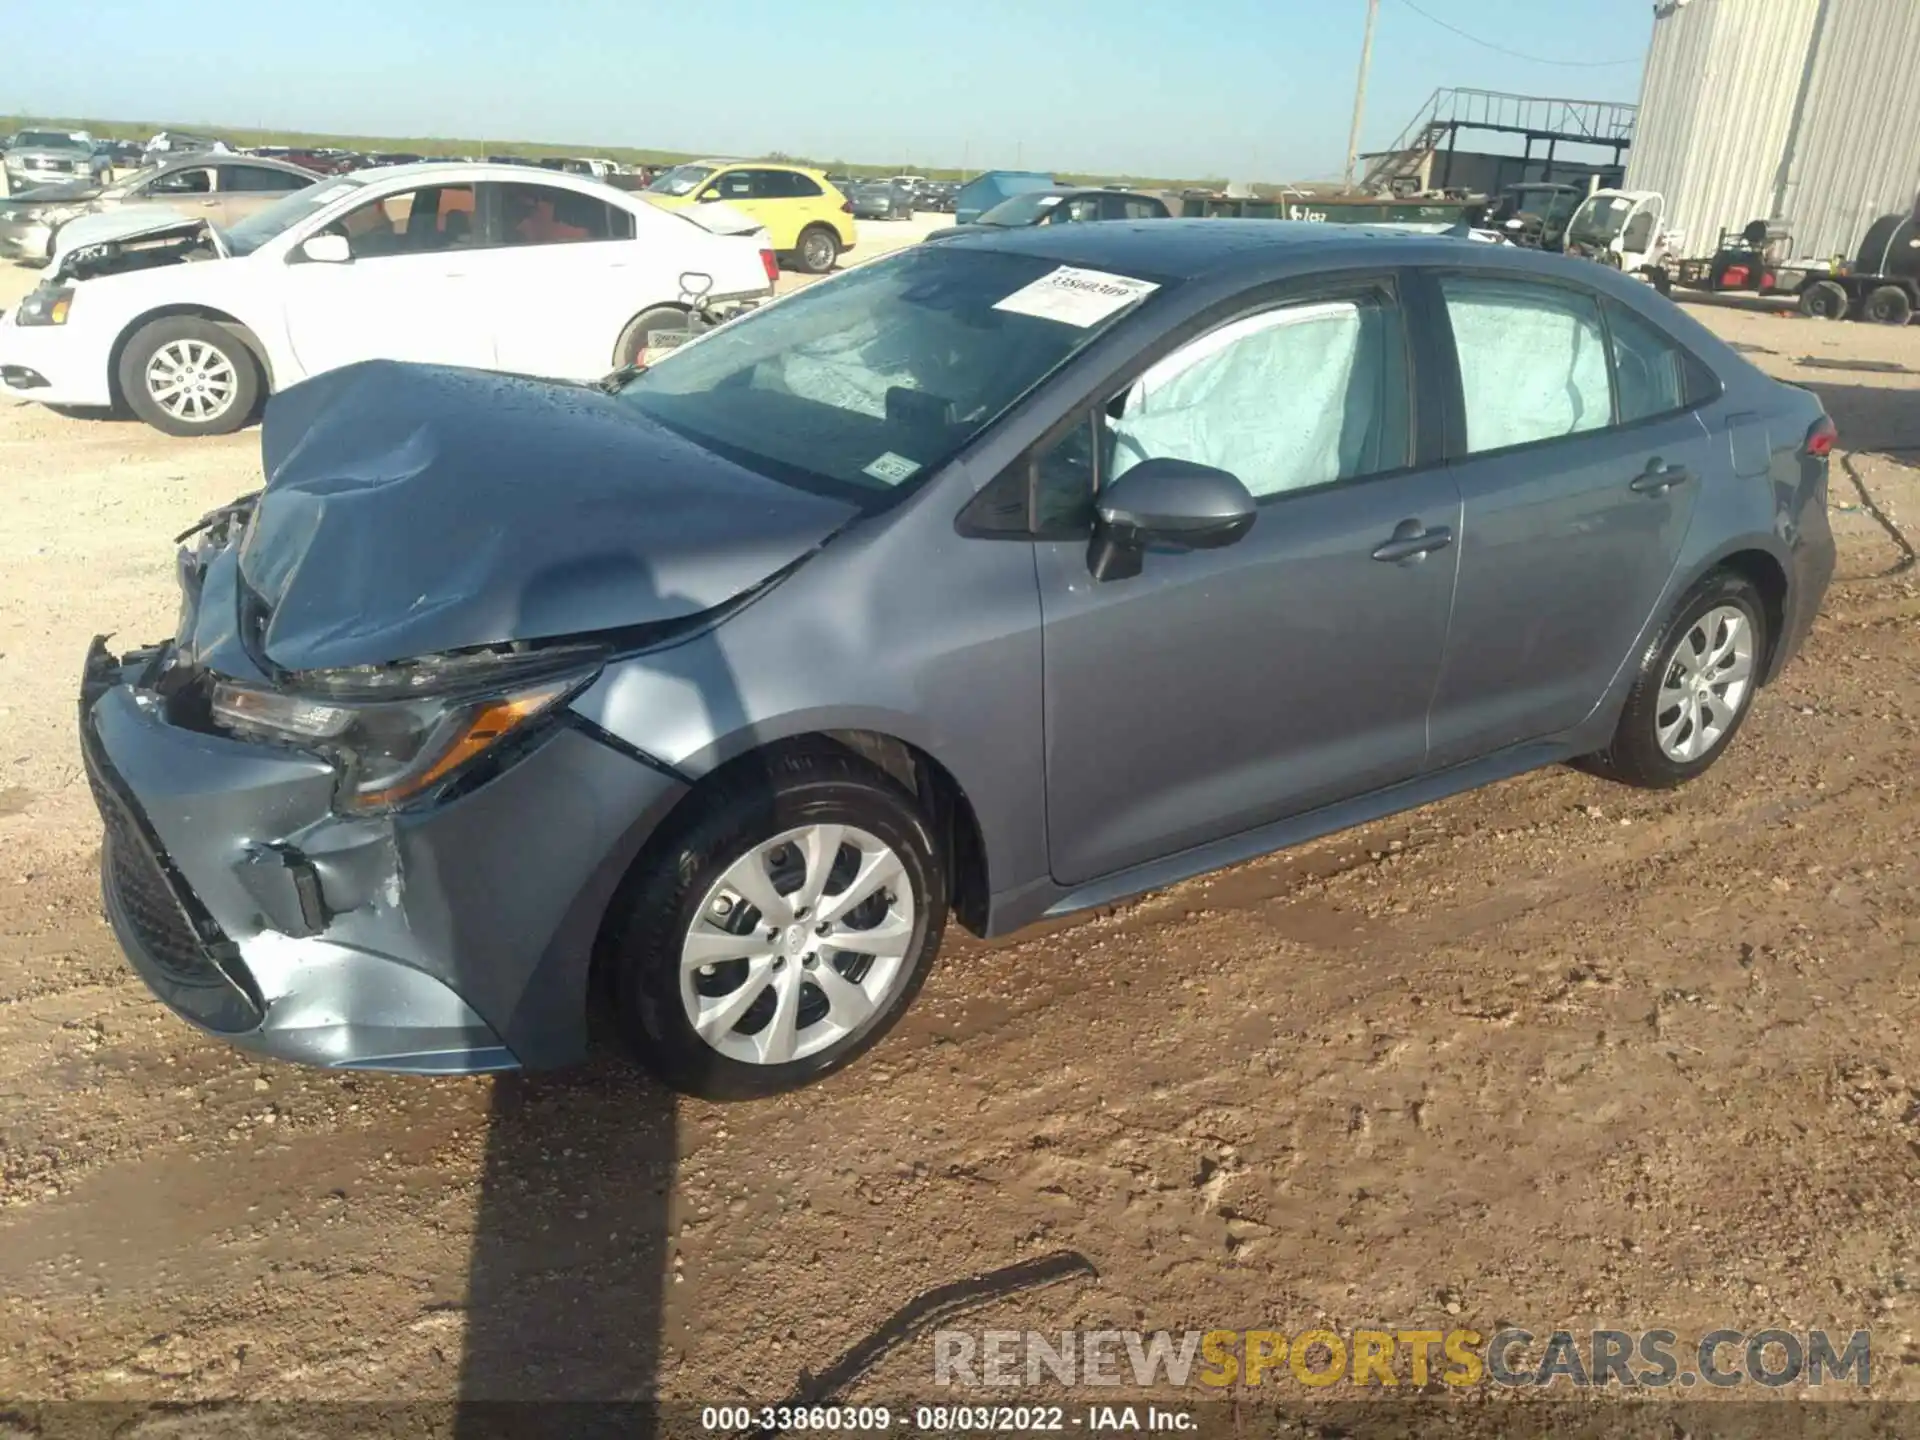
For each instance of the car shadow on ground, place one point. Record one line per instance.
(573, 1239)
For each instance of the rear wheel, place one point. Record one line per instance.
(1887, 305)
(1824, 300)
(783, 932)
(187, 376)
(632, 346)
(819, 248)
(1694, 687)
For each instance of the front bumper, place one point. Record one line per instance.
(449, 941)
(53, 364)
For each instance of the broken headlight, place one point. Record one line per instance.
(397, 732)
(45, 306)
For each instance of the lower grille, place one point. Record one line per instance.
(147, 902)
(183, 953)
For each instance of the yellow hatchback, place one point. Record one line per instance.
(809, 221)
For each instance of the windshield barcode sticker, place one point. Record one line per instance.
(893, 468)
(1077, 297)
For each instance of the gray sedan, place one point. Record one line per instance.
(1008, 576)
(220, 188)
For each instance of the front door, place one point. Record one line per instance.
(407, 292)
(1583, 454)
(1221, 689)
(764, 197)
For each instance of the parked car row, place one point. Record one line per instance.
(38, 222)
(189, 315)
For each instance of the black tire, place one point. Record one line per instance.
(633, 339)
(239, 398)
(653, 917)
(817, 251)
(1635, 756)
(1661, 281)
(1887, 305)
(1824, 300)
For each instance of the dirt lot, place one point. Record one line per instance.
(1556, 1053)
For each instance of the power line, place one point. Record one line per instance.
(1516, 54)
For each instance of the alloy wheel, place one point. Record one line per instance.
(192, 380)
(797, 944)
(1706, 683)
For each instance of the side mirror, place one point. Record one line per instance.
(327, 249)
(1166, 502)
(706, 195)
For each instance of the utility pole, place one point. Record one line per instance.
(1360, 92)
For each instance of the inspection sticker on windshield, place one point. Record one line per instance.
(892, 468)
(1077, 297)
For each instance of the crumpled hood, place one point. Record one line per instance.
(414, 509)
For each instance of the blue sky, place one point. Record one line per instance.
(1246, 89)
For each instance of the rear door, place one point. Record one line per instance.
(1579, 451)
(243, 189)
(562, 273)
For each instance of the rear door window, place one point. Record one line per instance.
(1652, 375)
(550, 215)
(1533, 360)
(259, 180)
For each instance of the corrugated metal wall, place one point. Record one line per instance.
(1858, 155)
(1715, 110)
(1722, 111)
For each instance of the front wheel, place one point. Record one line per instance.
(783, 932)
(186, 376)
(1694, 687)
(818, 250)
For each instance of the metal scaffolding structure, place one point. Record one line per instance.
(1434, 133)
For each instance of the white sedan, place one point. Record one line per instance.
(189, 323)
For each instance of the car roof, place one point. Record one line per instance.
(1197, 248)
(201, 158)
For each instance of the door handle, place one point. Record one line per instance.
(1657, 479)
(1412, 541)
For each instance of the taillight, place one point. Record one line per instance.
(770, 265)
(1822, 438)
(846, 207)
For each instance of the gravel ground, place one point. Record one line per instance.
(1557, 1053)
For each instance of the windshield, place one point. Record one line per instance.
(859, 385)
(1600, 219)
(49, 140)
(257, 229)
(680, 180)
(1020, 210)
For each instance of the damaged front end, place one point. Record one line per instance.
(336, 867)
(171, 243)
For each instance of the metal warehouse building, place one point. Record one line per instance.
(1805, 112)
